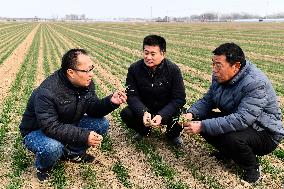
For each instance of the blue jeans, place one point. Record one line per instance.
(48, 151)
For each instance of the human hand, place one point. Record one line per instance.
(147, 119)
(192, 127)
(118, 97)
(156, 121)
(94, 139)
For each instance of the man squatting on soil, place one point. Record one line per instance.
(249, 122)
(155, 92)
(64, 116)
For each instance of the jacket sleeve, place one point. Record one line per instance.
(47, 117)
(100, 107)
(203, 106)
(177, 96)
(133, 98)
(251, 106)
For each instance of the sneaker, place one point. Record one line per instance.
(85, 158)
(177, 142)
(137, 137)
(43, 174)
(252, 175)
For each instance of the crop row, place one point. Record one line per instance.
(112, 53)
(85, 41)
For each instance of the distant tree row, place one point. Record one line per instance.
(218, 17)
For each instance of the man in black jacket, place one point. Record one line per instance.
(155, 92)
(64, 115)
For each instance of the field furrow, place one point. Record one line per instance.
(29, 52)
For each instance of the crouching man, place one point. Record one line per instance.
(155, 91)
(249, 121)
(64, 116)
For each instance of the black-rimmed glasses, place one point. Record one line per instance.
(85, 71)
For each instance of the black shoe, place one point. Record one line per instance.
(85, 158)
(177, 142)
(43, 174)
(252, 175)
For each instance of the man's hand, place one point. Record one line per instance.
(147, 119)
(193, 127)
(188, 116)
(118, 97)
(94, 139)
(156, 121)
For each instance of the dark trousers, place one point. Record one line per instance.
(134, 122)
(243, 146)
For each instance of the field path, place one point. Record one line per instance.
(10, 67)
(40, 71)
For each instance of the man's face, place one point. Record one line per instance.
(82, 75)
(153, 56)
(223, 70)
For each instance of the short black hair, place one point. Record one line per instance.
(155, 40)
(69, 59)
(232, 51)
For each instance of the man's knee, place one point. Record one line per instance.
(101, 125)
(229, 142)
(52, 148)
(126, 114)
(104, 125)
(234, 143)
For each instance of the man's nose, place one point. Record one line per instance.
(214, 69)
(148, 56)
(91, 74)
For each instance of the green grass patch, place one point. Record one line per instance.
(210, 181)
(89, 176)
(279, 154)
(121, 173)
(106, 145)
(58, 178)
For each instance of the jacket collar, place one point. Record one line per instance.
(159, 67)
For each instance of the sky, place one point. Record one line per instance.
(135, 8)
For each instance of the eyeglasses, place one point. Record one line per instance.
(85, 71)
(218, 66)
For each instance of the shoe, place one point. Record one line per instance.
(219, 156)
(85, 158)
(177, 142)
(43, 174)
(137, 137)
(252, 175)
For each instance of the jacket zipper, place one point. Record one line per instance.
(77, 101)
(220, 97)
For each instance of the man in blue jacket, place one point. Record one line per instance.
(64, 116)
(155, 92)
(249, 119)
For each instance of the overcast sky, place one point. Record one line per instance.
(135, 8)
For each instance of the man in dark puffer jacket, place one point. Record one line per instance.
(249, 123)
(64, 115)
(155, 92)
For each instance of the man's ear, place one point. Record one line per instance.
(238, 65)
(70, 73)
